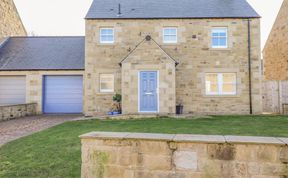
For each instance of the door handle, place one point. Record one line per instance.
(149, 93)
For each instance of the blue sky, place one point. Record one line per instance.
(66, 17)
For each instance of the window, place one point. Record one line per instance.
(219, 38)
(170, 35)
(106, 83)
(220, 83)
(106, 35)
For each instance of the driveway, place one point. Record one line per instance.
(17, 128)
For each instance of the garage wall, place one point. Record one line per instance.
(34, 81)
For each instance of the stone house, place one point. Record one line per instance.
(192, 52)
(10, 22)
(203, 54)
(275, 53)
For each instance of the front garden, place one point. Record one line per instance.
(56, 152)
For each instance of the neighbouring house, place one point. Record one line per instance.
(275, 53)
(275, 57)
(203, 54)
(10, 22)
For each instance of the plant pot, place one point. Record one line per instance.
(116, 112)
(110, 113)
(179, 109)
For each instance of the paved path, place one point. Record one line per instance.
(17, 128)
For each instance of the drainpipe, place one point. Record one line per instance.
(249, 66)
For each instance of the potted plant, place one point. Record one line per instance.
(117, 98)
(179, 108)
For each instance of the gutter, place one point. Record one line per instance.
(249, 66)
(157, 18)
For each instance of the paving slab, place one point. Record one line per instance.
(253, 140)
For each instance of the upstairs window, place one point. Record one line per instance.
(170, 35)
(106, 83)
(219, 37)
(107, 35)
(220, 83)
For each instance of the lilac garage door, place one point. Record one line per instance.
(63, 94)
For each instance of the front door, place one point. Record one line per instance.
(148, 91)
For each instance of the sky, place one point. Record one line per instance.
(66, 17)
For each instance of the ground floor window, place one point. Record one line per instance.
(220, 83)
(106, 83)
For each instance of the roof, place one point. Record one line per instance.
(162, 9)
(42, 53)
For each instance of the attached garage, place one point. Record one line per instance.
(63, 94)
(47, 71)
(12, 90)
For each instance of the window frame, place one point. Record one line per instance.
(219, 46)
(220, 84)
(163, 36)
(113, 35)
(100, 84)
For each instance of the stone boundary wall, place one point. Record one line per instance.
(275, 94)
(15, 111)
(140, 155)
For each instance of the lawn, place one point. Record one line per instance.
(55, 152)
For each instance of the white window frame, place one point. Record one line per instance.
(218, 29)
(106, 90)
(171, 42)
(220, 84)
(106, 42)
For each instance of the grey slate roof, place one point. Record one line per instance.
(43, 53)
(144, 9)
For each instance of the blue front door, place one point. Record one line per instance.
(148, 91)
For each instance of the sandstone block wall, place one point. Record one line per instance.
(275, 53)
(34, 83)
(10, 22)
(136, 155)
(195, 56)
(16, 111)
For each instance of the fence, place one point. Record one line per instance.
(275, 96)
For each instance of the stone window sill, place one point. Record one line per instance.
(220, 49)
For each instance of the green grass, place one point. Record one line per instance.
(56, 152)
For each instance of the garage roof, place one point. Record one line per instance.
(42, 53)
(145, 9)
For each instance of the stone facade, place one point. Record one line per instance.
(136, 155)
(34, 83)
(10, 22)
(140, 60)
(193, 52)
(275, 53)
(16, 111)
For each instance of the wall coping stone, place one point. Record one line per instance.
(12, 105)
(285, 140)
(199, 138)
(186, 138)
